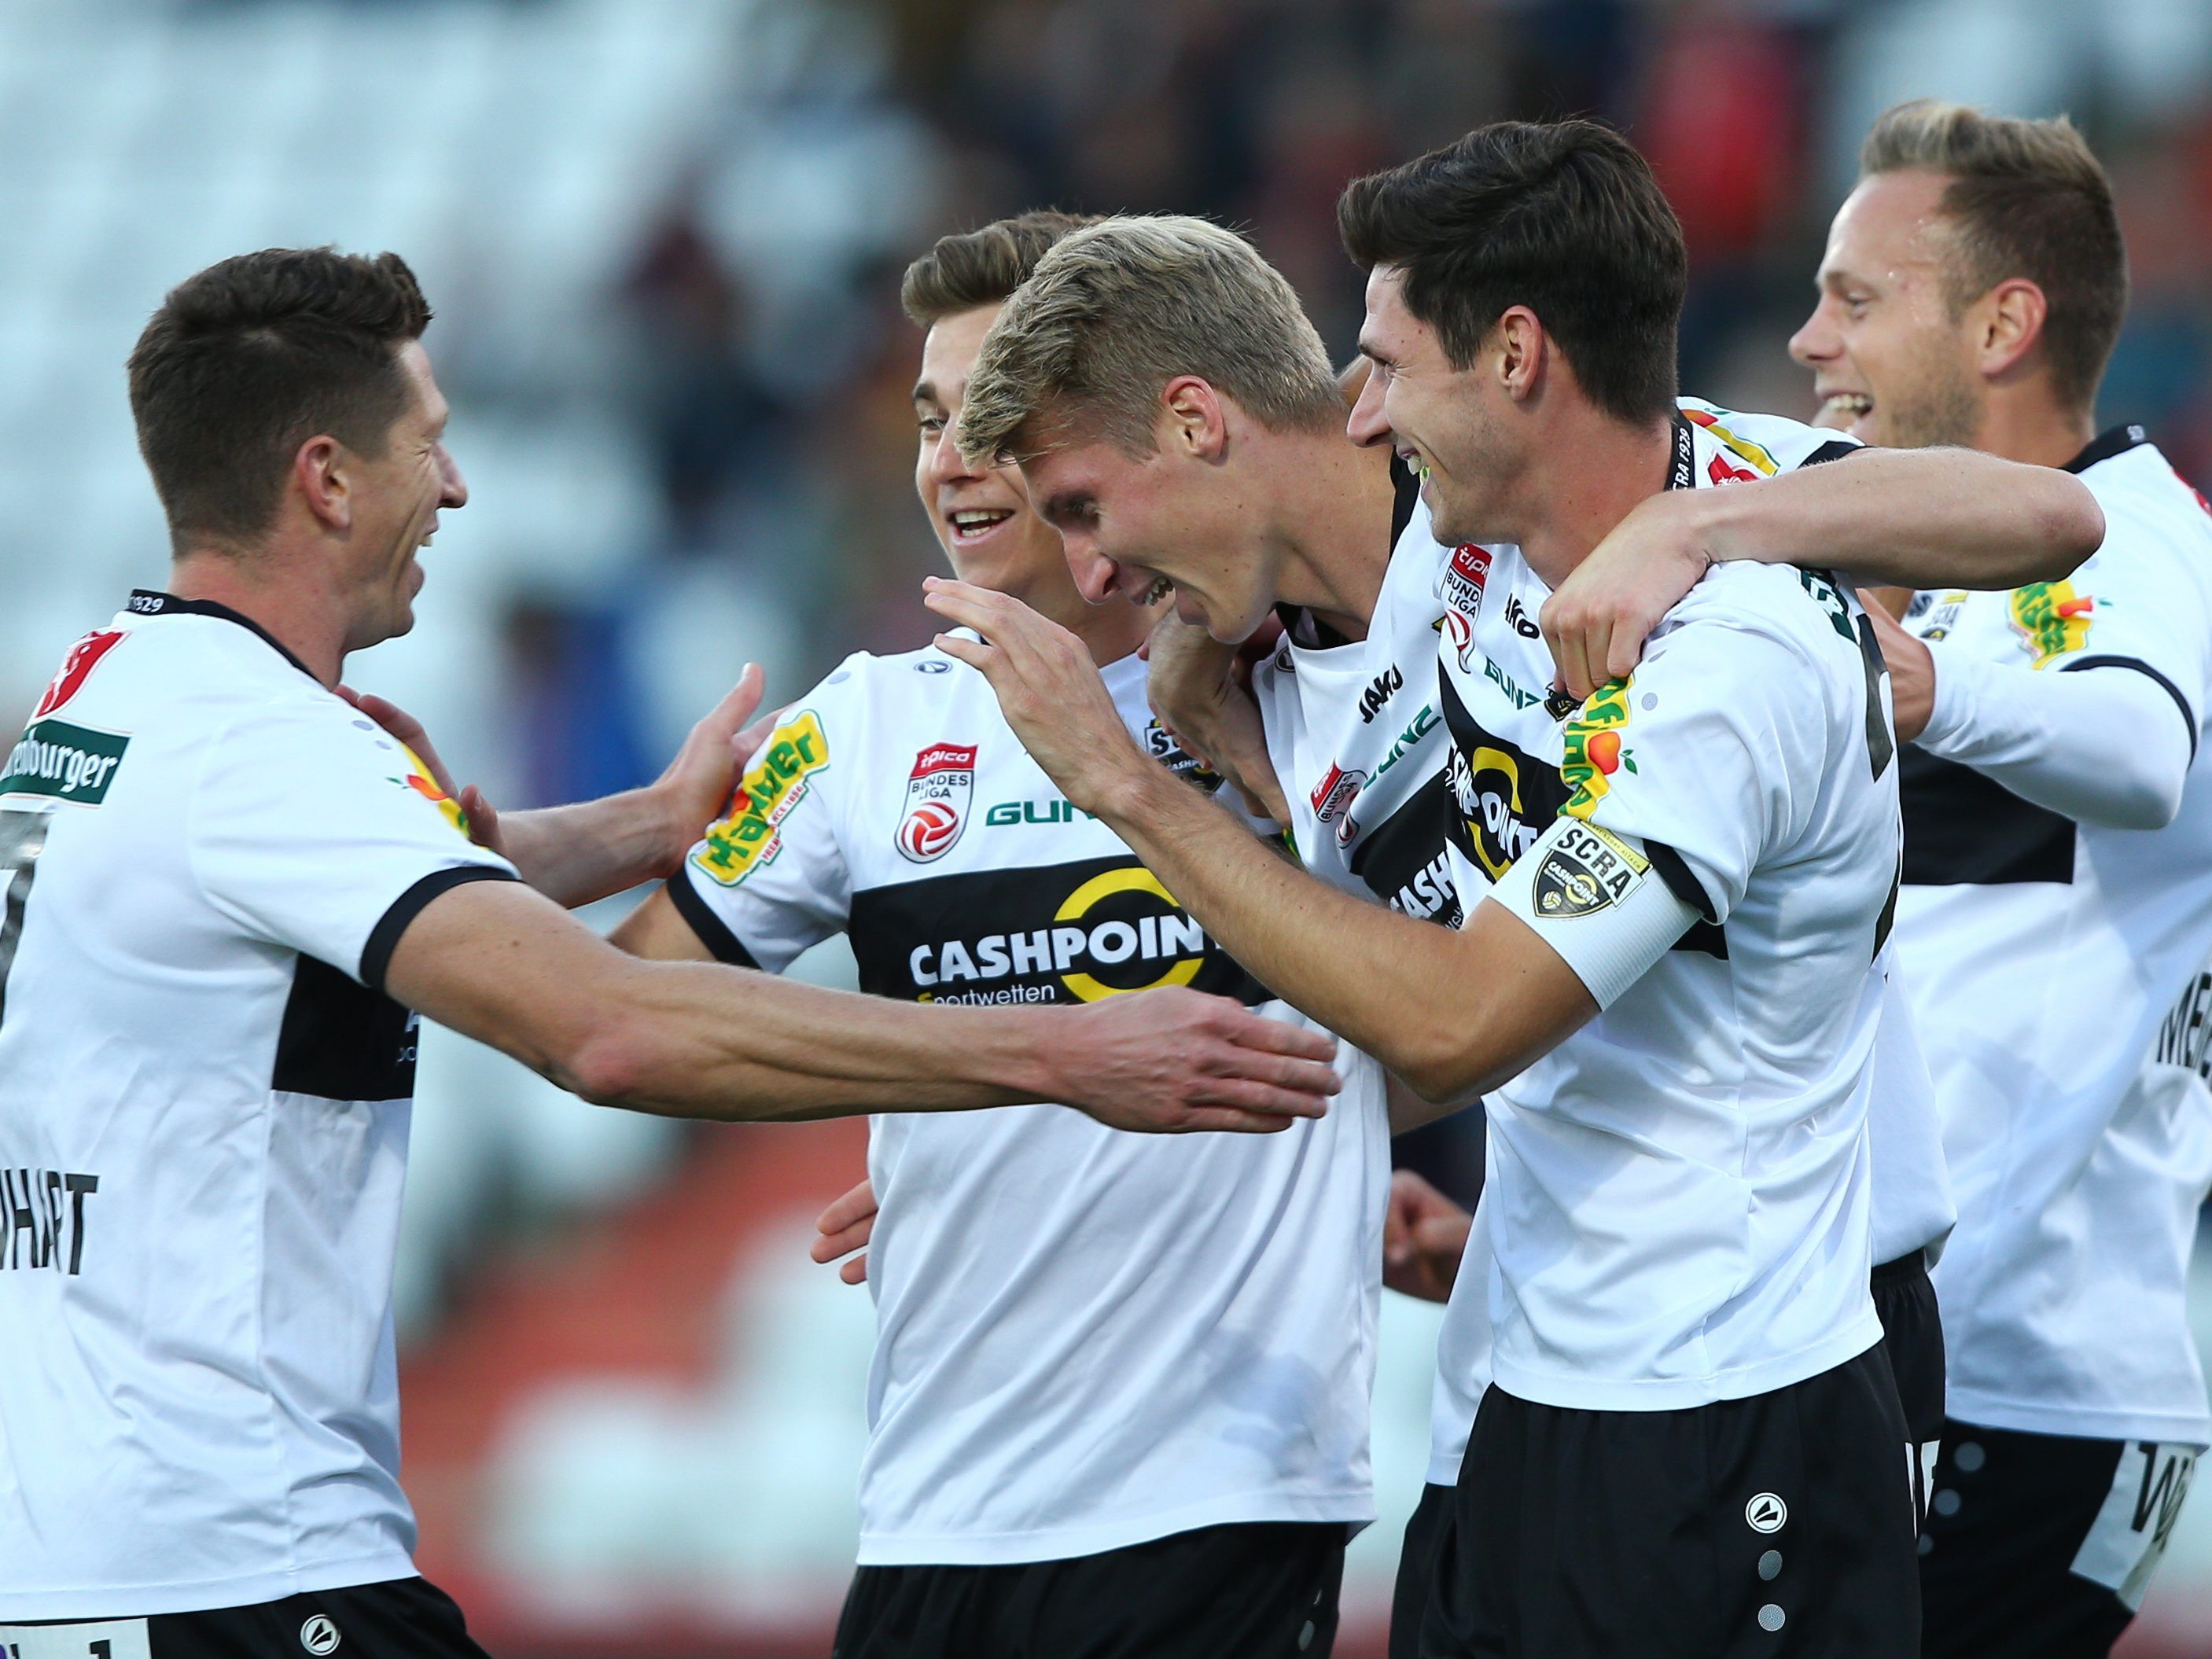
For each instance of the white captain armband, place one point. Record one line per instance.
(1593, 897)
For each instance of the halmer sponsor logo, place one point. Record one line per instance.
(69, 763)
(749, 837)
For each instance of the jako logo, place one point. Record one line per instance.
(1517, 614)
(1766, 1513)
(319, 1636)
(1378, 692)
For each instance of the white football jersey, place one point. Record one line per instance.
(2042, 955)
(207, 860)
(1678, 1202)
(1087, 1339)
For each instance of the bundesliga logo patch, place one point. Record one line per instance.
(1334, 795)
(937, 794)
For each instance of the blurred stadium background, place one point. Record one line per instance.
(663, 238)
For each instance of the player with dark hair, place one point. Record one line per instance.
(224, 890)
(1687, 1165)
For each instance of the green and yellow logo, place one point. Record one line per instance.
(69, 763)
(1593, 749)
(748, 837)
(2051, 619)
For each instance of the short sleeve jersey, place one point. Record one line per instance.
(206, 859)
(1679, 1195)
(2043, 955)
(1087, 1339)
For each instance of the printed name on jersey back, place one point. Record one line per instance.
(42, 1220)
(1076, 931)
(2185, 1036)
(937, 795)
(746, 838)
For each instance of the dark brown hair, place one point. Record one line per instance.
(249, 359)
(2029, 199)
(1562, 217)
(981, 267)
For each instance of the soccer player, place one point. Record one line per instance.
(2057, 895)
(225, 888)
(1118, 1399)
(1665, 1319)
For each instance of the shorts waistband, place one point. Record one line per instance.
(1913, 1264)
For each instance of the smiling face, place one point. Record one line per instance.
(981, 515)
(396, 502)
(1893, 361)
(1438, 417)
(1170, 525)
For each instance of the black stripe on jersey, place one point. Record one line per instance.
(2188, 714)
(384, 938)
(1834, 450)
(341, 1041)
(1707, 938)
(1057, 933)
(1962, 828)
(1403, 859)
(1405, 496)
(713, 932)
(2114, 441)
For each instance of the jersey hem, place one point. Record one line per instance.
(1354, 1509)
(202, 1596)
(2074, 1422)
(1571, 1393)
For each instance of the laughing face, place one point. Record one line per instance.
(396, 507)
(1891, 359)
(981, 515)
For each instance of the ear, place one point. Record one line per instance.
(322, 473)
(2008, 325)
(1193, 421)
(1517, 347)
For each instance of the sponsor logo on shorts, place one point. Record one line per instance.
(1766, 1513)
(1595, 754)
(83, 657)
(937, 793)
(320, 1636)
(1586, 869)
(2051, 619)
(749, 836)
(67, 762)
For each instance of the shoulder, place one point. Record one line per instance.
(2147, 506)
(1745, 619)
(1763, 444)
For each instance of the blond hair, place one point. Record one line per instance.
(1115, 311)
(2026, 199)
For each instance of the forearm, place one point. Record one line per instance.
(2050, 738)
(1911, 518)
(575, 854)
(1381, 982)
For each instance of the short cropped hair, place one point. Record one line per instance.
(249, 359)
(2026, 199)
(976, 267)
(1562, 217)
(1115, 311)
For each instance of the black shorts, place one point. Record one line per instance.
(1420, 1558)
(1262, 1590)
(2039, 1545)
(398, 1619)
(1912, 1336)
(1779, 1525)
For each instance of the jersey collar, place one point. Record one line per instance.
(2115, 440)
(1682, 469)
(145, 602)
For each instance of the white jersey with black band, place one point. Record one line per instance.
(1679, 1203)
(2044, 948)
(1087, 1339)
(207, 860)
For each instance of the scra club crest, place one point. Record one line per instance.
(937, 795)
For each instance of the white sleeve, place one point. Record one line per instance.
(771, 878)
(2050, 738)
(1591, 896)
(311, 828)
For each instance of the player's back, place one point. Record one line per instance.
(203, 1120)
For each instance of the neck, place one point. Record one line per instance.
(273, 591)
(1333, 536)
(1573, 507)
(2028, 425)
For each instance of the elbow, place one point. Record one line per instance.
(2073, 527)
(2144, 803)
(1442, 1070)
(625, 1060)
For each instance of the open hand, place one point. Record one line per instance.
(1047, 687)
(1424, 1238)
(695, 789)
(404, 728)
(845, 1226)
(1174, 1060)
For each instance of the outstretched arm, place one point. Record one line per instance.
(1451, 1012)
(1907, 517)
(498, 962)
